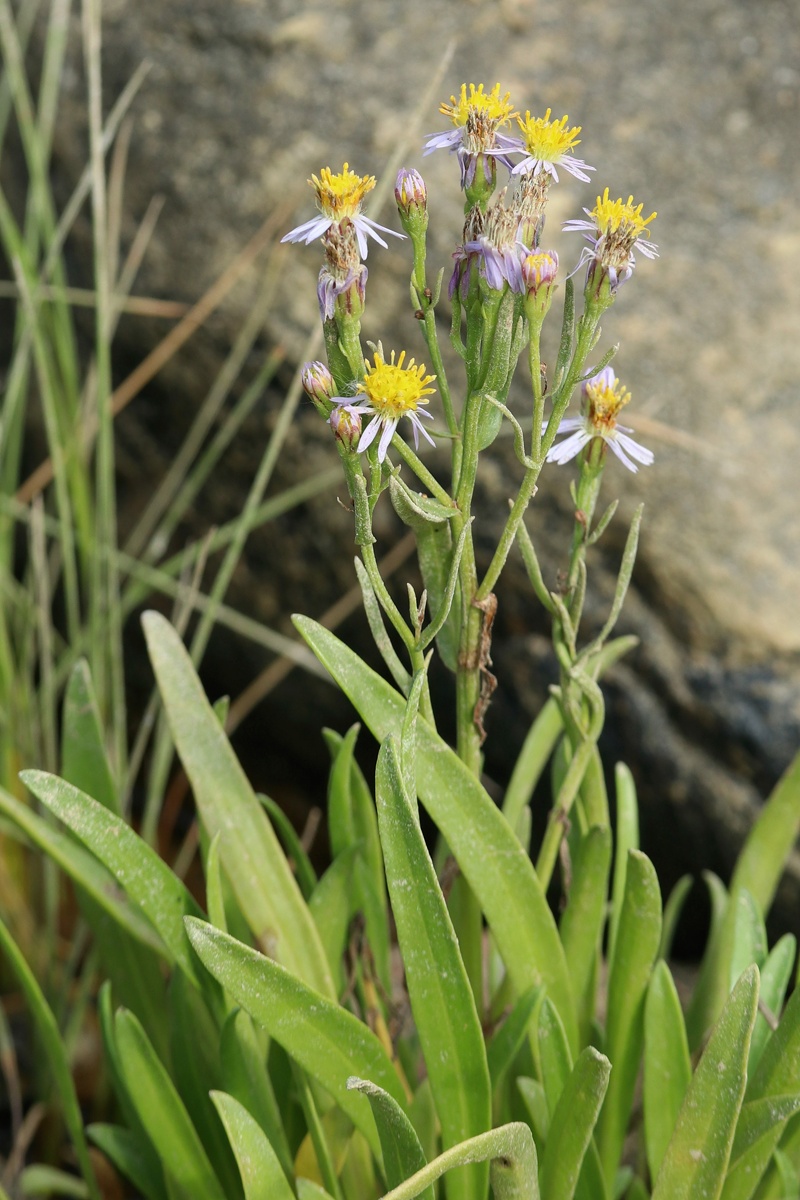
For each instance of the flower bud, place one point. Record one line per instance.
(345, 421)
(539, 272)
(411, 195)
(318, 385)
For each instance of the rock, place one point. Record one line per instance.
(692, 107)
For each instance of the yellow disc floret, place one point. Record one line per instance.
(548, 140)
(392, 389)
(491, 106)
(340, 196)
(605, 396)
(618, 216)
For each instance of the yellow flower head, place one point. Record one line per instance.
(392, 389)
(548, 140)
(340, 196)
(620, 219)
(548, 143)
(487, 107)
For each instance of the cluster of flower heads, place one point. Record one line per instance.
(501, 242)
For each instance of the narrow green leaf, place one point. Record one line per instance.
(196, 1070)
(84, 760)
(778, 1071)
(584, 917)
(246, 1078)
(262, 1176)
(539, 744)
(572, 1123)
(215, 889)
(672, 913)
(441, 997)
(638, 939)
(483, 844)
(535, 1100)
(136, 972)
(327, 1041)
(696, 1159)
(626, 838)
(759, 1118)
(758, 870)
(505, 1043)
(39, 1179)
(251, 854)
(667, 1065)
(353, 821)
(763, 857)
(788, 1176)
(55, 1050)
(332, 904)
(712, 982)
(132, 1158)
(298, 859)
(146, 878)
(511, 1152)
(82, 867)
(555, 1059)
(749, 936)
(162, 1113)
(775, 976)
(593, 795)
(402, 1152)
(364, 817)
(308, 1190)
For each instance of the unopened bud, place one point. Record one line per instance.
(318, 385)
(345, 421)
(411, 195)
(539, 272)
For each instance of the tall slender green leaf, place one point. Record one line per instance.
(251, 854)
(246, 1078)
(162, 1112)
(572, 1124)
(402, 1152)
(626, 838)
(327, 1041)
(775, 975)
(441, 997)
(483, 844)
(261, 1172)
(758, 1131)
(638, 938)
(84, 759)
(696, 1159)
(149, 882)
(194, 1058)
(667, 1065)
(584, 918)
(132, 1158)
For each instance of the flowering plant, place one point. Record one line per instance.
(297, 1053)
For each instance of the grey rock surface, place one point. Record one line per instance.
(692, 107)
